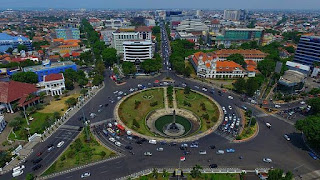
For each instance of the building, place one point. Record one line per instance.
(192, 25)
(308, 51)
(230, 36)
(186, 36)
(113, 23)
(292, 81)
(248, 54)
(207, 65)
(233, 15)
(68, 33)
(150, 22)
(141, 33)
(137, 51)
(50, 68)
(3, 123)
(199, 13)
(8, 41)
(298, 67)
(13, 92)
(53, 84)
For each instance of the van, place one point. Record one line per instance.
(18, 168)
(17, 173)
(220, 152)
(152, 141)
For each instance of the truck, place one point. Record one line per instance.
(17, 173)
(18, 168)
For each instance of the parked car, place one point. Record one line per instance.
(268, 125)
(204, 89)
(230, 97)
(267, 160)
(313, 155)
(286, 137)
(18, 168)
(86, 174)
(112, 139)
(117, 143)
(39, 153)
(212, 147)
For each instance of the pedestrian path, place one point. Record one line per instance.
(166, 103)
(174, 100)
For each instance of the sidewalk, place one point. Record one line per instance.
(27, 149)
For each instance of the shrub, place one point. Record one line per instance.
(154, 103)
(186, 103)
(135, 123)
(205, 116)
(136, 104)
(203, 106)
(102, 154)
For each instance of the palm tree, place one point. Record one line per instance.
(155, 173)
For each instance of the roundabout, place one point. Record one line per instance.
(180, 116)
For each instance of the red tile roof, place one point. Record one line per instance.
(204, 56)
(66, 55)
(251, 66)
(227, 66)
(53, 77)
(75, 54)
(143, 29)
(247, 54)
(13, 90)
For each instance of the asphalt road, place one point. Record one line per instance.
(288, 155)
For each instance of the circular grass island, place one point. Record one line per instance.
(147, 113)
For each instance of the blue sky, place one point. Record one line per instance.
(144, 4)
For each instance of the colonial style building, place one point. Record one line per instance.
(53, 84)
(248, 54)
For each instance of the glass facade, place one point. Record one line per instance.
(70, 33)
(308, 51)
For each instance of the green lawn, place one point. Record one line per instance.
(202, 177)
(80, 153)
(248, 131)
(128, 110)
(39, 123)
(162, 121)
(208, 116)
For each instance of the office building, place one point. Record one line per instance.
(233, 15)
(308, 51)
(137, 51)
(291, 82)
(50, 68)
(238, 36)
(68, 33)
(192, 25)
(113, 23)
(8, 41)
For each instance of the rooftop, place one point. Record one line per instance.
(52, 77)
(53, 65)
(227, 66)
(13, 90)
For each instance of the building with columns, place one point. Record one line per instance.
(53, 84)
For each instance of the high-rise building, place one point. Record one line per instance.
(233, 15)
(199, 13)
(68, 33)
(308, 51)
(137, 51)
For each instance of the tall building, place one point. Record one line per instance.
(231, 36)
(308, 51)
(199, 13)
(7, 41)
(137, 51)
(233, 15)
(68, 33)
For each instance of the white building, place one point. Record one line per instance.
(137, 51)
(113, 23)
(233, 15)
(53, 84)
(192, 25)
(149, 22)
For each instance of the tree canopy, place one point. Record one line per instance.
(276, 174)
(237, 58)
(27, 77)
(310, 126)
(128, 68)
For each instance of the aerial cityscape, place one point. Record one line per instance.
(167, 90)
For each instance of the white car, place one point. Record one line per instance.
(277, 106)
(117, 143)
(119, 97)
(267, 160)
(17, 173)
(230, 97)
(204, 89)
(86, 174)
(60, 144)
(112, 139)
(302, 102)
(286, 137)
(197, 87)
(268, 125)
(203, 152)
(148, 154)
(230, 107)
(160, 149)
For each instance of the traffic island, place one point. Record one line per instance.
(250, 127)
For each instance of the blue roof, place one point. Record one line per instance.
(5, 36)
(5, 48)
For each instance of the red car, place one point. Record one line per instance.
(39, 153)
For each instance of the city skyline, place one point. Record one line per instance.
(166, 4)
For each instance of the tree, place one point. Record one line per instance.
(195, 172)
(27, 77)
(26, 63)
(249, 45)
(187, 71)
(16, 123)
(277, 174)
(128, 68)
(102, 154)
(237, 58)
(155, 30)
(30, 176)
(151, 65)
(187, 90)
(22, 47)
(266, 67)
(155, 173)
(97, 80)
(315, 104)
(310, 126)
(240, 85)
(71, 101)
(100, 68)
(69, 84)
(9, 50)
(252, 86)
(109, 56)
(290, 49)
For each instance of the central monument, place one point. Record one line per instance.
(174, 129)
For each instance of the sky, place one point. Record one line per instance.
(163, 4)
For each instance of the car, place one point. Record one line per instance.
(119, 97)
(36, 167)
(230, 107)
(152, 141)
(116, 92)
(148, 154)
(39, 153)
(35, 161)
(212, 147)
(131, 89)
(99, 110)
(204, 89)
(120, 93)
(213, 166)
(112, 139)
(267, 160)
(203, 152)
(302, 102)
(277, 106)
(86, 174)
(197, 87)
(50, 148)
(18, 168)
(160, 149)
(268, 125)
(286, 137)
(60, 144)
(230, 97)
(231, 150)
(163, 143)
(117, 143)
(313, 155)
(106, 105)
(186, 152)
(173, 144)
(139, 142)
(17, 173)
(128, 147)
(220, 152)
(193, 145)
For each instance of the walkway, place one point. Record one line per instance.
(166, 101)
